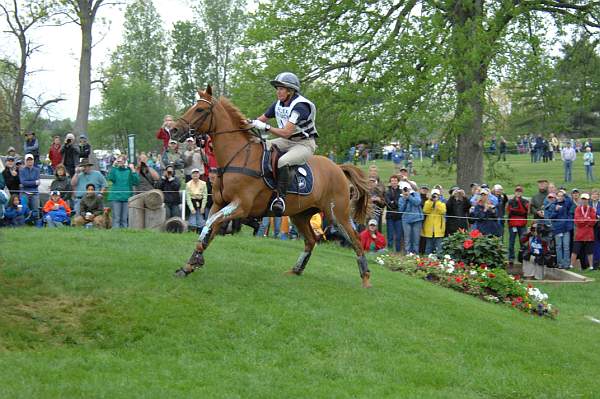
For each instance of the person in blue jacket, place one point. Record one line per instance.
(557, 210)
(16, 213)
(29, 176)
(485, 215)
(409, 204)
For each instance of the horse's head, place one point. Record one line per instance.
(198, 119)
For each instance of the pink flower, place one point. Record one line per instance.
(468, 244)
(475, 234)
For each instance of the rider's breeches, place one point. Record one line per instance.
(297, 153)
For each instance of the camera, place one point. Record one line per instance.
(69, 141)
(405, 189)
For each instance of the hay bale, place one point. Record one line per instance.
(153, 199)
(155, 218)
(175, 225)
(136, 211)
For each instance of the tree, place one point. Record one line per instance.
(83, 13)
(380, 44)
(20, 20)
(135, 96)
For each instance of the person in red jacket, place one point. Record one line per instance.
(164, 132)
(517, 209)
(371, 239)
(585, 219)
(54, 154)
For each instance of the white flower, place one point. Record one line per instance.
(473, 273)
(380, 261)
(432, 256)
(447, 257)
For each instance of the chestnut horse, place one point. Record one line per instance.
(240, 191)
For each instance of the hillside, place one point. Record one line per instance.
(88, 313)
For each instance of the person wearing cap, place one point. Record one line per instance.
(85, 149)
(193, 158)
(92, 210)
(518, 210)
(568, 156)
(537, 201)
(296, 131)
(70, 154)
(409, 205)
(558, 212)
(371, 239)
(54, 154)
(11, 175)
(11, 152)
(173, 157)
(502, 200)
(29, 177)
(434, 226)
(393, 218)
(32, 146)
(85, 175)
(164, 133)
(485, 214)
(585, 219)
(457, 211)
(196, 196)
(123, 178)
(57, 212)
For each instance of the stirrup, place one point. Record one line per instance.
(278, 206)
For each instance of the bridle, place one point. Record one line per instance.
(208, 113)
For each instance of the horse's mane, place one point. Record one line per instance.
(232, 109)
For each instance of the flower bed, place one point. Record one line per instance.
(477, 279)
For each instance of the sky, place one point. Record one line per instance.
(57, 61)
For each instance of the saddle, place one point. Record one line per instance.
(301, 176)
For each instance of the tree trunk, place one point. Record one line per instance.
(469, 151)
(85, 73)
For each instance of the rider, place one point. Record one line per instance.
(296, 131)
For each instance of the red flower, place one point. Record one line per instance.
(468, 244)
(484, 266)
(475, 234)
(519, 299)
(529, 286)
(460, 265)
(491, 275)
(458, 279)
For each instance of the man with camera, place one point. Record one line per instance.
(393, 218)
(434, 226)
(85, 149)
(170, 185)
(173, 157)
(70, 154)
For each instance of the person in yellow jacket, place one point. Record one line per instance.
(434, 226)
(316, 222)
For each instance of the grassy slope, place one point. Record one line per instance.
(521, 171)
(97, 314)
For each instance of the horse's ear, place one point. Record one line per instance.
(209, 90)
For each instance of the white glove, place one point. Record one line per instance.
(260, 125)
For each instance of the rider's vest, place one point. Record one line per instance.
(304, 129)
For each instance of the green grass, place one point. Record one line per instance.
(89, 314)
(516, 170)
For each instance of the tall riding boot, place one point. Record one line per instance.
(283, 179)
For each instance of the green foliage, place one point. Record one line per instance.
(473, 248)
(136, 93)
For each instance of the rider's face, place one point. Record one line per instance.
(282, 93)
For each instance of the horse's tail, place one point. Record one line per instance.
(359, 192)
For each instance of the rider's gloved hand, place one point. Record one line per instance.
(259, 124)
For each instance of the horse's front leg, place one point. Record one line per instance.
(216, 217)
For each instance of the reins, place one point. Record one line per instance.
(208, 112)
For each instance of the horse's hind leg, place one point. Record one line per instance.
(302, 222)
(216, 218)
(341, 218)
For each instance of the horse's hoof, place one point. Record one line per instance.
(181, 273)
(366, 283)
(292, 272)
